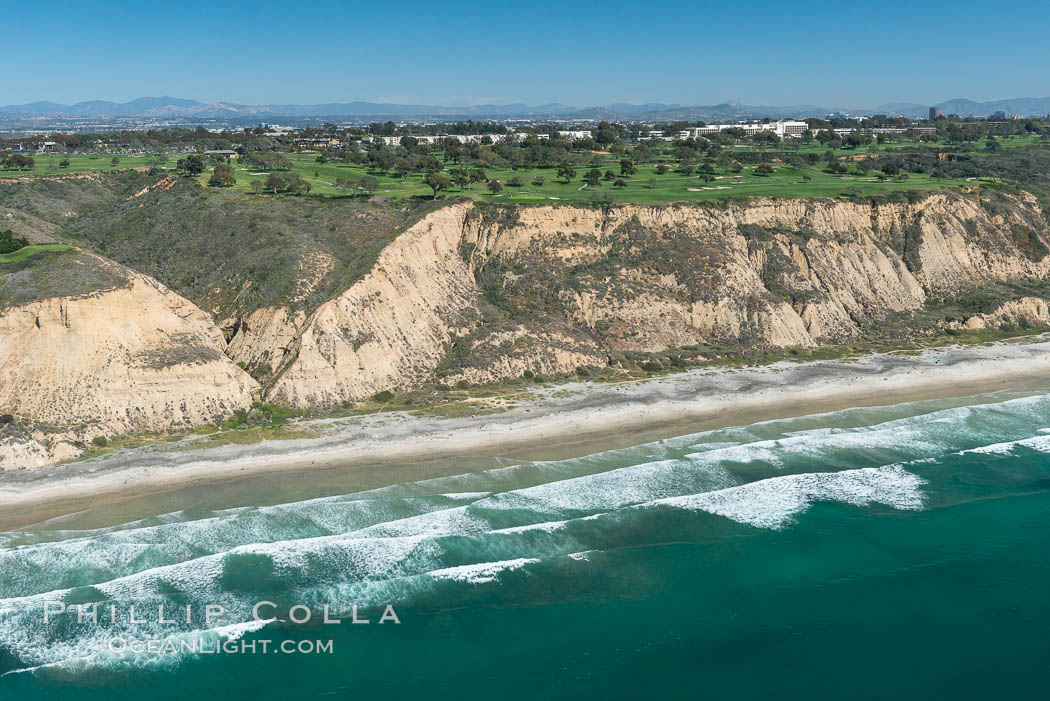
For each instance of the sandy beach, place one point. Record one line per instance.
(568, 418)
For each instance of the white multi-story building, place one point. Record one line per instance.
(783, 128)
(436, 139)
(478, 138)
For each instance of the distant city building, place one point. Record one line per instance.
(935, 112)
(479, 138)
(783, 128)
(846, 131)
(307, 143)
(436, 139)
(575, 135)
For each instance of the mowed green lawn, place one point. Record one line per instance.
(27, 251)
(644, 187)
(47, 164)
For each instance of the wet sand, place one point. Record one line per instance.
(564, 421)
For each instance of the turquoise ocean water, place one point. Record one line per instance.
(890, 552)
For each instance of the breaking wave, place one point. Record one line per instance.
(437, 542)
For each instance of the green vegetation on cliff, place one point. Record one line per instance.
(232, 253)
(42, 272)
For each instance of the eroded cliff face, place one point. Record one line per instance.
(484, 294)
(1023, 313)
(390, 329)
(126, 358)
(785, 273)
(481, 294)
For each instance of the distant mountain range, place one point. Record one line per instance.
(180, 107)
(172, 107)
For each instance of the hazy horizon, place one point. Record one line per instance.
(496, 102)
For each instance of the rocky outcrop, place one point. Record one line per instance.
(1023, 313)
(265, 338)
(133, 358)
(22, 448)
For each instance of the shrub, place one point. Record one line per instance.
(1029, 242)
(383, 397)
(261, 371)
(10, 243)
(912, 242)
(266, 160)
(99, 441)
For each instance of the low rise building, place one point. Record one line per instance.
(307, 143)
(437, 139)
(783, 128)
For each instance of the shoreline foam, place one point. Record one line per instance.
(695, 400)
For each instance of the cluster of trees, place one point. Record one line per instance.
(463, 165)
(267, 160)
(1030, 167)
(10, 243)
(16, 161)
(148, 140)
(367, 184)
(464, 177)
(222, 176)
(192, 164)
(282, 182)
(412, 156)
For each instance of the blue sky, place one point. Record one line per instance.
(580, 53)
